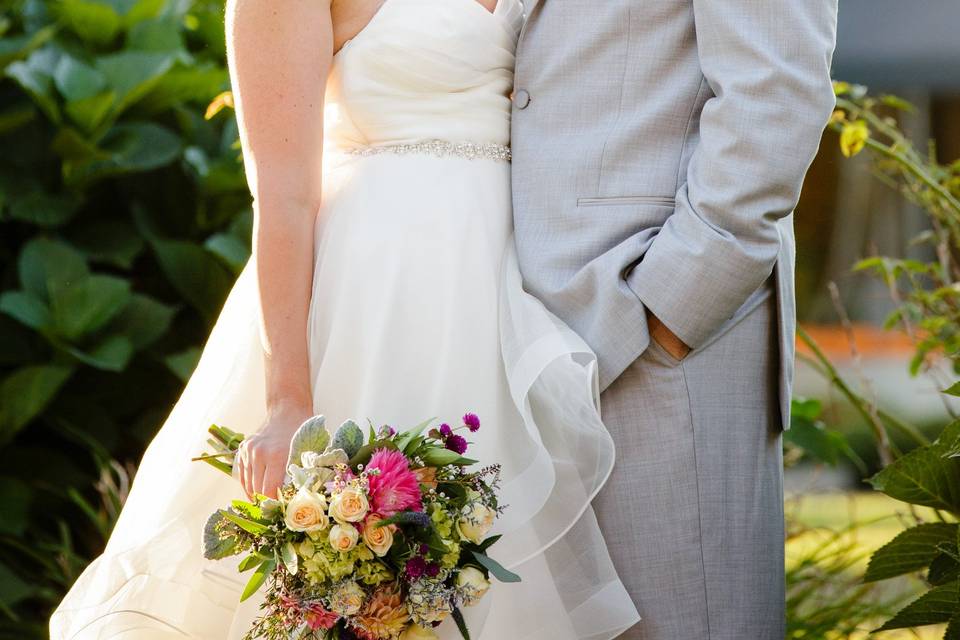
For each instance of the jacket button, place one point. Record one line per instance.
(521, 99)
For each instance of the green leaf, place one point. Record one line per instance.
(289, 556)
(310, 436)
(46, 264)
(910, 550)
(85, 306)
(943, 569)
(198, 83)
(143, 320)
(43, 209)
(35, 77)
(250, 562)
(113, 242)
(13, 589)
(938, 605)
(461, 623)
(25, 393)
(953, 629)
(215, 546)
(157, 34)
(489, 542)
(495, 568)
(953, 390)
(231, 249)
(91, 112)
(927, 475)
(94, 21)
(407, 436)
(259, 576)
(245, 523)
(183, 363)
(195, 273)
(132, 74)
(437, 457)
(111, 353)
(897, 102)
(26, 308)
(140, 146)
(15, 496)
(77, 80)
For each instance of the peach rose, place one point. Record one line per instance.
(350, 505)
(306, 511)
(379, 539)
(343, 537)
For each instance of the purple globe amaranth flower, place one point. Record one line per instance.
(445, 430)
(416, 567)
(472, 422)
(432, 569)
(457, 443)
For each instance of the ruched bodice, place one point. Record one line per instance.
(425, 70)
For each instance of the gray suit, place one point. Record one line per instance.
(659, 147)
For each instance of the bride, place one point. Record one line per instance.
(383, 285)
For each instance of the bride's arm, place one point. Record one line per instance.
(279, 55)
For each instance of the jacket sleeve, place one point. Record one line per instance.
(766, 66)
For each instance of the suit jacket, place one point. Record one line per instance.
(659, 147)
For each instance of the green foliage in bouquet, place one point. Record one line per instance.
(927, 298)
(381, 537)
(124, 218)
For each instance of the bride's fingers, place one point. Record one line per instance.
(256, 474)
(243, 468)
(271, 481)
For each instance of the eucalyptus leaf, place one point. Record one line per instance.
(289, 556)
(495, 568)
(259, 576)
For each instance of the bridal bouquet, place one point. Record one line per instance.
(377, 537)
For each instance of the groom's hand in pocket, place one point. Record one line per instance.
(666, 338)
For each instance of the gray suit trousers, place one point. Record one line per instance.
(693, 512)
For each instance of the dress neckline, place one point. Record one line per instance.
(500, 13)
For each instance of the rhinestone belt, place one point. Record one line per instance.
(441, 148)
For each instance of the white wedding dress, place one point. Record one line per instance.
(417, 311)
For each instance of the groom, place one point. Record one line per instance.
(658, 152)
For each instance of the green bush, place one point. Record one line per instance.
(124, 219)
(927, 298)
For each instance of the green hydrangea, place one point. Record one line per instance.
(444, 524)
(373, 572)
(321, 563)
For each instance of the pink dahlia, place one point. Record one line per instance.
(395, 488)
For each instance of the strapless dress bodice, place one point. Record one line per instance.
(425, 70)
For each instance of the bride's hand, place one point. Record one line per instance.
(262, 456)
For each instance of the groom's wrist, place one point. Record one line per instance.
(666, 338)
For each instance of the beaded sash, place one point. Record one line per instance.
(441, 148)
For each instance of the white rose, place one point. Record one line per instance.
(416, 632)
(472, 585)
(350, 505)
(475, 522)
(306, 511)
(343, 537)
